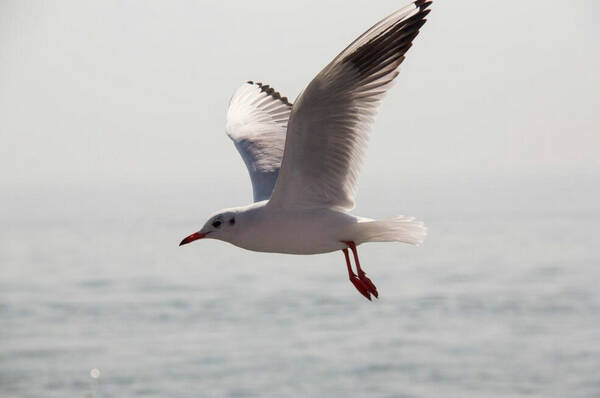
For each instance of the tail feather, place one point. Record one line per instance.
(397, 229)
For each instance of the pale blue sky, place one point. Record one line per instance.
(130, 91)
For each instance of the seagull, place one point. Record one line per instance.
(304, 159)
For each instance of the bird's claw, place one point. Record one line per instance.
(370, 286)
(361, 286)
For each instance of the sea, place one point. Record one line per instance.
(502, 299)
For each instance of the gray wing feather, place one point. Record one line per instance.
(331, 120)
(257, 122)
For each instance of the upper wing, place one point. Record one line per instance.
(256, 122)
(329, 125)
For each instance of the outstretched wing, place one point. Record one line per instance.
(256, 122)
(330, 122)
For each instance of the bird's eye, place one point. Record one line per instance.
(216, 224)
(232, 221)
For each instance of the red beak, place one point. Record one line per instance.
(191, 238)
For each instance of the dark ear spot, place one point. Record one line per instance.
(232, 221)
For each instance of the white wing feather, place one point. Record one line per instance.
(329, 125)
(257, 122)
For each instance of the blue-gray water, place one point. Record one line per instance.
(503, 299)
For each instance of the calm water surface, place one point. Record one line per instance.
(503, 300)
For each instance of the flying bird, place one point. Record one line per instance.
(304, 158)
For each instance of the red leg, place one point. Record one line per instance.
(358, 284)
(361, 274)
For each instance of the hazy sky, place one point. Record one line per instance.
(128, 91)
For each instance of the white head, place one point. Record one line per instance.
(222, 225)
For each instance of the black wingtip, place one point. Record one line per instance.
(422, 4)
(390, 45)
(265, 88)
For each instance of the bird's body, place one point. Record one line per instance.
(303, 159)
(272, 229)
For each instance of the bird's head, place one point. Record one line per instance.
(222, 226)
